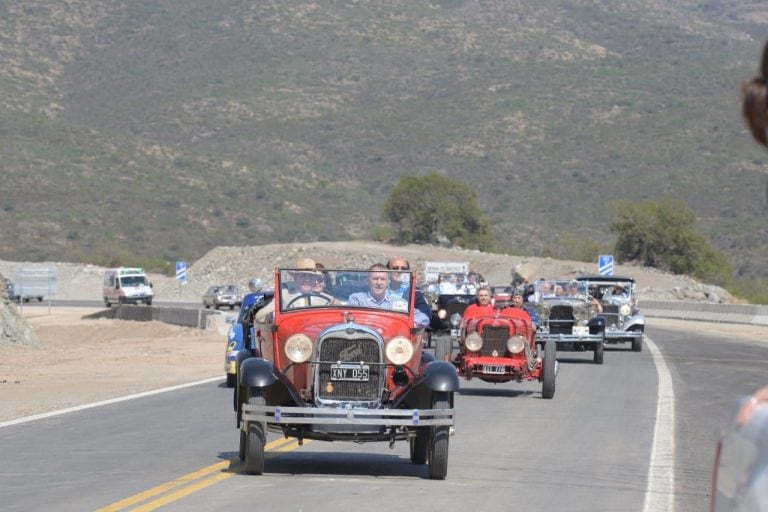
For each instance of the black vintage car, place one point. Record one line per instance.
(446, 306)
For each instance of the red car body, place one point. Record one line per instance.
(335, 366)
(499, 345)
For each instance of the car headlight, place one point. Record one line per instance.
(298, 348)
(473, 342)
(441, 314)
(455, 319)
(516, 344)
(625, 310)
(544, 312)
(399, 350)
(579, 313)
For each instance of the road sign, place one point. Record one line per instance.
(36, 282)
(432, 269)
(181, 272)
(605, 265)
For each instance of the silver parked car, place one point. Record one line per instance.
(223, 295)
(618, 296)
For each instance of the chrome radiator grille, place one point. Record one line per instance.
(611, 314)
(494, 338)
(354, 350)
(561, 320)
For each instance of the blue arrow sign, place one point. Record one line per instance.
(605, 265)
(181, 272)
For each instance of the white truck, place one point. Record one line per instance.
(127, 285)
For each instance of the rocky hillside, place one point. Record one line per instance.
(14, 330)
(238, 264)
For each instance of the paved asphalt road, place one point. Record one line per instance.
(587, 449)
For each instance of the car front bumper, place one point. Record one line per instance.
(570, 341)
(344, 417)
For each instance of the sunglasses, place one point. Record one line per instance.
(311, 279)
(398, 268)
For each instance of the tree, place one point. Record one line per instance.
(430, 208)
(661, 234)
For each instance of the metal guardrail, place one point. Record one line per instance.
(177, 316)
(705, 312)
(697, 311)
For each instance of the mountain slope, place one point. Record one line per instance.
(162, 130)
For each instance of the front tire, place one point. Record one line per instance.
(255, 437)
(438, 440)
(598, 359)
(420, 446)
(637, 344)
(548, 387)
(231, 380)
(243, 442)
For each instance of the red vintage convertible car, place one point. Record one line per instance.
(344, 363)
(499, 345)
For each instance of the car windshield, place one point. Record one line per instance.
(560, 289)
(133, 280)
(229, 289)
(612, 291)
(378, 288)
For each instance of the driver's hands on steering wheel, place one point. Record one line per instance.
(322, 300)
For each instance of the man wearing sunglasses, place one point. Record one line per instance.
(398, 286)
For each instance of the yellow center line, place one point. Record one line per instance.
(191, 482)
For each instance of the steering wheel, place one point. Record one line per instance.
(308, 296)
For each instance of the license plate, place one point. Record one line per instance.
(350, 372)
(493, 368)
(581, 330)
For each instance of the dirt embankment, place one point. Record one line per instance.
(80, 361)
(238, 264)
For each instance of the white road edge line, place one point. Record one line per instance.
(105, 402)
(660, 487)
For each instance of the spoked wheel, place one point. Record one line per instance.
(420, 446)
(255, 437)
(438, 440)
(548, 387)
(599, 352)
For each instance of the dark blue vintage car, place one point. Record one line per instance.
(235, 336)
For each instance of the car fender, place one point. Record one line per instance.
(256, 372)
(435, 376)
(633, 321)
(439, 376)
